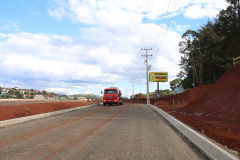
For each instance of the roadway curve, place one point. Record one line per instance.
(129, 131)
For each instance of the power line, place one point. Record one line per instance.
(162, 24)
(144, 24)
(150, 19)
(169, 21)
(168, 10)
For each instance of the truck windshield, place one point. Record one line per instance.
(109, 91)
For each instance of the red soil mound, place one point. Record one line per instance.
(15, 111)
(185, 97)
(222, 99)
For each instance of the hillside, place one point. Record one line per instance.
(222, 99)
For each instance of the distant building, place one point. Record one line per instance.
(23, 91)
(39, 97)
(82, 98)
(179, 90)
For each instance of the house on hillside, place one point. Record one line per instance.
(82, 98)
(56, 95)
(5, 89)
(28, 96)
(7, 95)
(34, 91)
(24, 91)
(63, 97)
(3, 93)
(50, 96)
(39, 97)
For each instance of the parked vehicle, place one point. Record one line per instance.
(112, 95)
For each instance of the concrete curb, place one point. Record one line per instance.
(24, 119)
(210, 149)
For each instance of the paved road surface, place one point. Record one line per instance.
(130, 131)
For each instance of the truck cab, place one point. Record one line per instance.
(111, 96)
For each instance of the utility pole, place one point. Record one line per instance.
(147, 68)
(133, 85)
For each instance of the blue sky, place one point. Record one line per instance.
(83, 46)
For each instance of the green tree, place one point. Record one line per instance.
(20, 96)
(132, 96)
(75, 98)
(207, 53)
(175, 83)
(228, 24)
(165, 91)
(11, 91)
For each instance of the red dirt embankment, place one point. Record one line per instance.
(223, 99)
(213, 110)
(15, 111)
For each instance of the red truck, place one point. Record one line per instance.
(112, 95)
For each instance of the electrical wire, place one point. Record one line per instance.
(150, 19)
(164, 22)
(174, 9)
(161, 24)
(144, 24)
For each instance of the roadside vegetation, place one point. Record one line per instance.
(208, 52)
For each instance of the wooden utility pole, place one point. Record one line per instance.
(147, 68)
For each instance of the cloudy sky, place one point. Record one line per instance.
(83, 46)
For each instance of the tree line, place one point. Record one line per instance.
(208, 52)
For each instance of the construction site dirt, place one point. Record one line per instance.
(23, 110)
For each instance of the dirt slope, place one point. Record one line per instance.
(222, 99)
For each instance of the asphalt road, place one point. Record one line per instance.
(130, 131)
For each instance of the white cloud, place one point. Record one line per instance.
(197, 9)
(183, 28)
